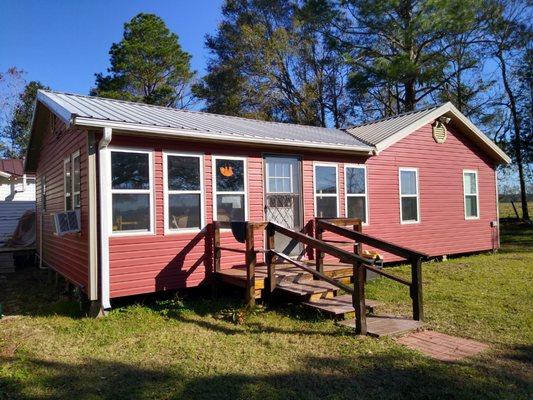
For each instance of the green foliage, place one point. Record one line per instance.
(399, 48)
(147, 65)
(17, 132)
(272, 60)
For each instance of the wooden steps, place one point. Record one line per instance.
(236, 276)
(339, 306)
(310, 289)
(383, 325)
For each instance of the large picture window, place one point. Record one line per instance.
(356, 192)
(409, 199)
(326, 191)
(229, 188)
(131, 191)
(471, 198)
(183, 180)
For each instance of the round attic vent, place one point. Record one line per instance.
(439, 132)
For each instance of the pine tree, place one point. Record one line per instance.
(147, 65)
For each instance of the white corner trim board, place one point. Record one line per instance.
(103, 156)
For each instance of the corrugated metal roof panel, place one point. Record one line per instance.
(375, 132)
(148, 115)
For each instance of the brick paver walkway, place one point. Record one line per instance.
(442, 347)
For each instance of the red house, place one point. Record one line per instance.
(149, 181)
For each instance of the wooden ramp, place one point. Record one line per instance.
(383, 325)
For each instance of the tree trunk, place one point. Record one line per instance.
(517, 142)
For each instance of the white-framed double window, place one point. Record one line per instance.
(71, 181)
(131, 199)
(326, 186)
(471, 194)
(409, 196)
(183, 190)
(230, 198)
(356, 187)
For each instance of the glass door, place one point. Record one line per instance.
(283, 198)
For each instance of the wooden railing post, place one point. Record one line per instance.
(251, 260)
(319, 256)
(216, 246)
(358, 297)
(270, 259)
(416, 289)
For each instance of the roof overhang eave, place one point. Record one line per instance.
(183, 133)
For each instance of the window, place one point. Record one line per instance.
(67, 182)
(71, 181)
(356, 192)
(131, 191)
(229, 188)
(76, 179)
(326, 191)
(471, 198)
(183, 180)
(409, 202)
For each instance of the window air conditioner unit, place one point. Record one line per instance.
(66, 222)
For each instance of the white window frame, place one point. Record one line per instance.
(66, 181)
(290, 178)
(73, 194)
(337, 194)
(475, 172)
(167, 192)
(365, 195)
(214, 158)
(112, 191)
(417, 195)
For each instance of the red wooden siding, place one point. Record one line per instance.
(66, 254)
(442, 228)
(148, 263)
(142, 264)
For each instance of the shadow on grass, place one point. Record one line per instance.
(368, 377)
(33, 292)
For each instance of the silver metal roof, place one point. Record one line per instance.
(96, 111)
(377, 131)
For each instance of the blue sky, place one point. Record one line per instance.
(63, 43)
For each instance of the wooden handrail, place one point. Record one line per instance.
(371, 240)
(314, 272)
(414, 257)
(342, 255)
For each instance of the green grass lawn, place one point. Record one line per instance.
(507, 211)
(190, 348)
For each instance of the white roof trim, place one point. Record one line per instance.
(91, 122)
(55, 107)
(445, 108)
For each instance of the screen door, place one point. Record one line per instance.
(283, 198)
